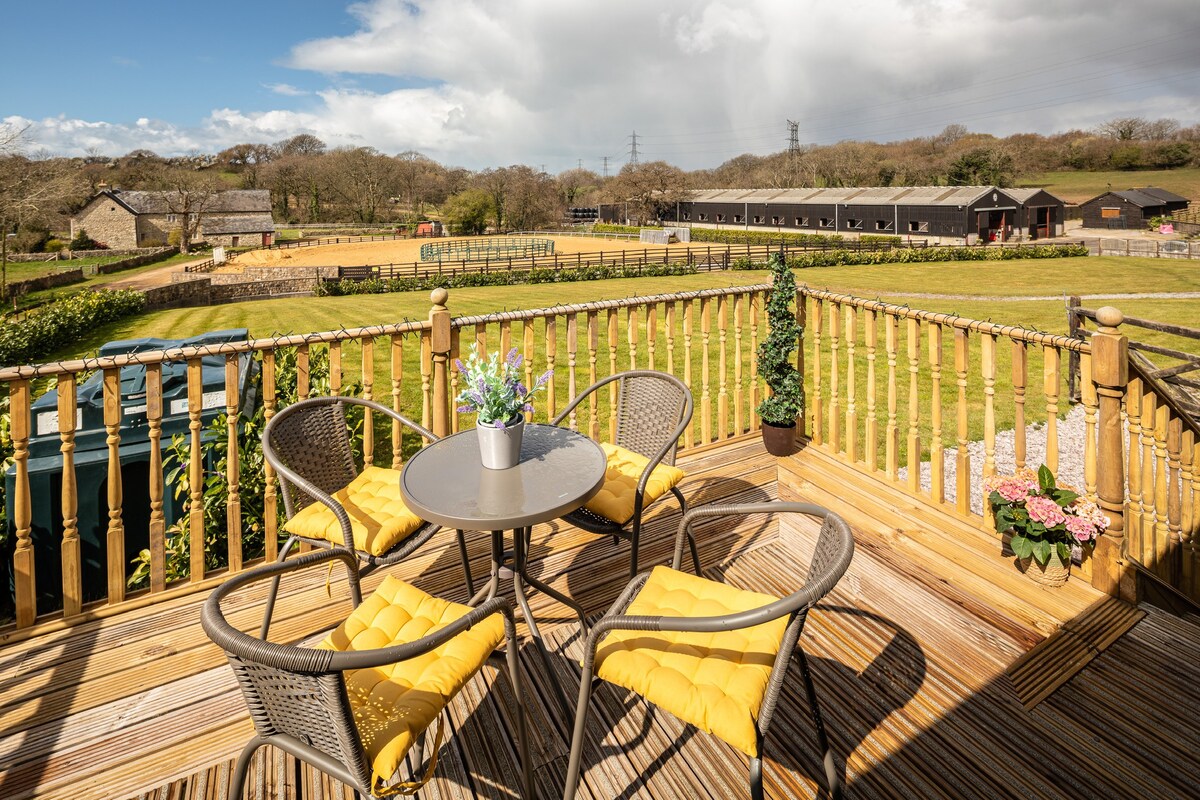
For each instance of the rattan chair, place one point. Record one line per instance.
(653, 409)
(667, 627)
(357, 706)
(329, 502)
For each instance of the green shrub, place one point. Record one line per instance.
(84, 242)
(58, 324)
(54, 246)
(175, 237)
(606, 227)
(517, 277)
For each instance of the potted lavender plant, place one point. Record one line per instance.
(494, 391)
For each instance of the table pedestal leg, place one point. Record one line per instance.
(557, 595)
(519, 577)
(493, 584)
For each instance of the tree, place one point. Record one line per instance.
(983, 166)
(362, 179)
(575, 185)
(302, 144)
(247, 160)
(649, 189)
(1124, 128)
(533, 199)
(188, 195)
(31, 187)
(467, 213)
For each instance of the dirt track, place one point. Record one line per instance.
(407, 251)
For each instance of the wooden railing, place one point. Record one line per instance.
(707, 338)
(893, 390)
(890, 389)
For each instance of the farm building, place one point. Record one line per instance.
(1131, 208)
(969, 213)
(124, 220)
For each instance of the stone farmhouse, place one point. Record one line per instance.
(123, 220)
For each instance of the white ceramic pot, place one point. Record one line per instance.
(500, 448)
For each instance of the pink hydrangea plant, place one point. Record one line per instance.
(1041, 517)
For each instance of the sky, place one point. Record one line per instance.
(557, 84)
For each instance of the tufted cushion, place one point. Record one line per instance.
(378, 516)
(393, 704)
(615, 500)
(715, 681)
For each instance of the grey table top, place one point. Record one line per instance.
(559, 471)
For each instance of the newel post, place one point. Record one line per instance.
(439, 347)
(1110, 372)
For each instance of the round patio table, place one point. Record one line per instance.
(559, 471)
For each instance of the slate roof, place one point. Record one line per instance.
(233, 201)
(248, 223)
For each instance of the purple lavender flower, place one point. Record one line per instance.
(499, 424)
(545, 376)
(459, 365)
(513, 359)
(465, 409)
(527, 407)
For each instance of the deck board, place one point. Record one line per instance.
(909, 654)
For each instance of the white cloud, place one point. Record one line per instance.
(482, 84)
(286, 89)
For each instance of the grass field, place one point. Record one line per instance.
(1076, 187)
(94, 281)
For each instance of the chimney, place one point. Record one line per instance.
(101, 187)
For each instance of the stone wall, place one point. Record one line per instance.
(256, 274)
(109, 223)
(67, 276)
(203, 291)
(159, 254)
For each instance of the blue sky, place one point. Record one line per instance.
(481, 83)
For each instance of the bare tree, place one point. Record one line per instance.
(649, 189)
(189, 195)
(30, 188)
(363, 179)
(533, 199)
(577, 184)
(302, 144)
(1123, 128)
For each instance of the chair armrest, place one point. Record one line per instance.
(363, 659)
(234, 641)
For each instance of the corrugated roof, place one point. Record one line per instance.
(1169, 197)
(1140, 198)
(856, 195)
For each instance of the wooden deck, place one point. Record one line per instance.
(910, 655)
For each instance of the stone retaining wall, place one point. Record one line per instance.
(54, 279)
(195, 290)
(258, 274)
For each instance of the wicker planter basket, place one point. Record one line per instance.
(1054, 574)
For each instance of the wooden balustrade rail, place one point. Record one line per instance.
(966, 380)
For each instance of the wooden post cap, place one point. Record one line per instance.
(439, 296)
(1109, 317)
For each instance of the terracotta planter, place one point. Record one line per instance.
(779, 440)
(1054, 574)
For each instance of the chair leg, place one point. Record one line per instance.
(274, 590)
(466, 563)
(514, 674)
(756, 789)
(831, 773)
(634, 538)
(237, 781)
(691, 539)
(581, 709)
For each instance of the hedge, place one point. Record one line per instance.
(466, 279)
(834, 258)
(758, 237)
(56, 325)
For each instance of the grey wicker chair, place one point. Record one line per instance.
(653, 410)
(749, 647)
(308, 445)
(325, 705)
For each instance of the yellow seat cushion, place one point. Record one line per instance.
(715, 681)
(378, 516)
(615, 500)
(394, 703)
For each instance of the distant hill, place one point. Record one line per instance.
(1078, 186)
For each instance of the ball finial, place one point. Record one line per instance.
(1109, 317)
(439, 296)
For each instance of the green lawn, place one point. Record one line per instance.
(98, 281)
(1077, 186)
